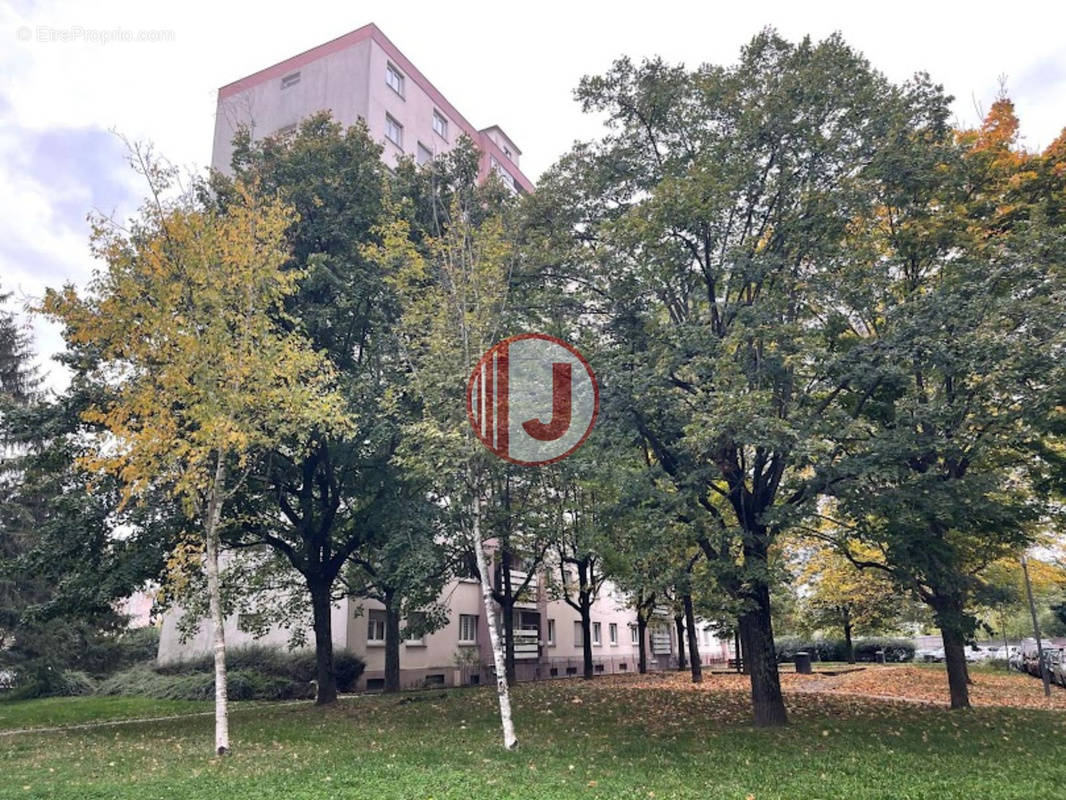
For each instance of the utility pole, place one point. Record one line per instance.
(1036, 629)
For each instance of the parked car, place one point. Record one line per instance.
(975, 653)
(1056, 661)
(929, 655)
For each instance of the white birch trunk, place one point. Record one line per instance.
(510, 741)
(214, 592)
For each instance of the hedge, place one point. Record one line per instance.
(866, 648)
(252, 673)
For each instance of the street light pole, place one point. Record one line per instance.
(1036, 629)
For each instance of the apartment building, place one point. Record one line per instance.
(362, 75)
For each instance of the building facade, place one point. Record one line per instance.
(362, 75)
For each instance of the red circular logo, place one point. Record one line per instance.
(532, 399)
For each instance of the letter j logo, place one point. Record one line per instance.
(532, 399)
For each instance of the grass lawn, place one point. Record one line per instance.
(53, 711)
(609, 738)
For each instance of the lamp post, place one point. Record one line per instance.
(1036, 629)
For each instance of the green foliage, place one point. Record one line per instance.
(42, 679)
(253, 673)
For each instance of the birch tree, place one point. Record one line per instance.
(186, 315)
(452, 275)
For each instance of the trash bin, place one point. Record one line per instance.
(803, 663)
(880, 656)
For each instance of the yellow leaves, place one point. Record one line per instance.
(187, 318)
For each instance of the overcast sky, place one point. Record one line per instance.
(511, 64)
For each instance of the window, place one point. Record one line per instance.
(249, 622)
(577, 634)
(551, 633)
(394, 79)
(375, 627)
(612, 634)
(290, 80)
(416, 620)
(634, 634)
(467, 628)
(440, 125)
(425, 155)
(596, 633)
(393, 131)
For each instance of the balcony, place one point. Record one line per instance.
(529, 595)
(526, 644)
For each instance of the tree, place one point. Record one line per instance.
(312, 500)
(581, 573)
(403, 565)
(185, 319)
(843, 597)
(704, 229)
(521, 544)
(452, 279)
(18, 378)
(963, 355)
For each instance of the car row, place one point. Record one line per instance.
(974, 653)
(1054, 659)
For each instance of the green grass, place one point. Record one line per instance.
(52, 711)
(598, 740)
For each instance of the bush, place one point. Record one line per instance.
(39, 679)
(819, 649)
(256, 672)
(296, 666)
(108, 654)
(896, 650)
(241, 684)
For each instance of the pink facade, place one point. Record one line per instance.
(361, 75)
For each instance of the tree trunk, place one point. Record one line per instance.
(693, 642)
(322, 611)
(507, 611)
(392, 643)
(742, 637)
(642, 644)
(949, 615)
(760, 658)
(586, 635)
(214, 594)
(955, 661)
(847, 637)
(679, 624)
(510, 741)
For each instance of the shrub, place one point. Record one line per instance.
(40, 679)
(896, 650)
(241, 684)
(349, 667)
(108, 654)
(819, 649)
(298, 666)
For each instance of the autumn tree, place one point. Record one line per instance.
(840, 596)
(312, 498)
(963, 353)
(185, 317)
